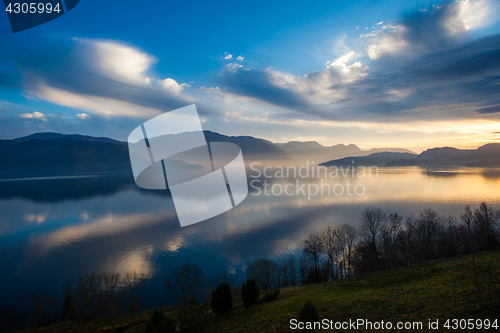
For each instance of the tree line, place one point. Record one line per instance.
(381, 241)
(88, 297)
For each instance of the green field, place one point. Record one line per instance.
(440, 289)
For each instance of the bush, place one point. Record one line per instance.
(250, 293)
(195, 318)
(270, 296)
(308, 313)
(222, 300)
(159, 323)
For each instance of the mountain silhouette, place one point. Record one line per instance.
(376, 159)
(55, 154)
(313, 151)
(484, 156)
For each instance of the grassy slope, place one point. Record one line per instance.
(414, 293)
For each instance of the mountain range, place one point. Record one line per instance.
(313, 151)
(55, 154)
(484, 156)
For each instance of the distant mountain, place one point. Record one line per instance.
(54, 154)
(313, 151)
(52, 135)
(251, 148)
(389, 150)
(487, 155)
(61, 157)
(377, 159)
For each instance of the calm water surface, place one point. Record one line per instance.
(53, 230)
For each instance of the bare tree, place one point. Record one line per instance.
(292, 270)
(428, 230)
(389, 241)
(350, 235)
(132, 283)
(207, 287)
(110, 295)
(264, 271)
(485, 227)
(304, 267)
(287, 271)
(373, 220)
(331, 246)
(312, 249)
(185, 283)
(221, 276)
(87, 296)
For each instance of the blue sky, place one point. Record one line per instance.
(413, 74)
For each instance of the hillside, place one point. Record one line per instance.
(62, 157)
(54, 154)
(484, 156)
(432, 290)
(378, 159)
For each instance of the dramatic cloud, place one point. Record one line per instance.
(101, 77)
(119, 62)
(428, 30)
(440, 75)
(430, 71)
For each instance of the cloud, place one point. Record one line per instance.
(261, 85)
(104, 106)
(82, 116)
(428, 30)
(120, 62)
(444, 84)
(100, 77)
(233, 67)
(423, 67)
(34, 115)
(172, 85)
(489, 110)
(299, 93)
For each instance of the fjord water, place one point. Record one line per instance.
(53, 230)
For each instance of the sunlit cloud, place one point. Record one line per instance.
(34, 115)
(99, 105)
(120, 62)
(429, 30)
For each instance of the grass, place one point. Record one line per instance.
(439, 289)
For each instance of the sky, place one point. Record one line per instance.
(409, 74)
